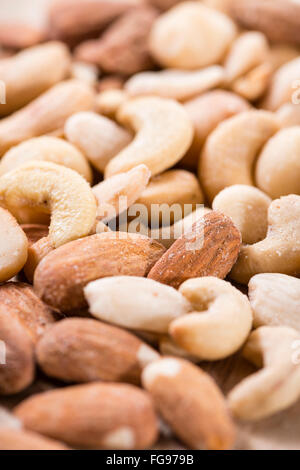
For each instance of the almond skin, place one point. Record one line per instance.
(61, 276)
(18, 439)
(85, 350)
(35, 232)
(18, 299)
(190, 402)
(97, 416)
(210, 248)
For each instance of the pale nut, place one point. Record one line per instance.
(177, 190)
(279, 54)
(109, 101)
(119, 192)
(190, 402)
(8, 420)
(52, 189)
(206, 112)
(220, 323)
(277, 172)
(279, 252)
(254, 84)
(248, 207)
(46, 114)
(289, 114)
(135, 303)
(21, 439)
(86, 350)
(191, 36)
(168, 347)
(61, 276)
(180, 85)
(45, 148)
(85, 72)
(163, 135)
(20, 35)
(13, 246)
(277, 385)
(275, 300)
(281, 88)
(95, 416)
(31, 72)
(99, 138)
(248, 51)
(231, 149)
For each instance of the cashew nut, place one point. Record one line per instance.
(99, 138)
(277, 385)
(254, 84)
(52, 189)
(31, 72)
(278, 166)
(86, 72)
(177, 84)
(191, 36)
(135, 302)
(13, 246)
(223, 323)
(280, 250)
(289, 115)
(49, 149)
(248, 208)
(164, 133)
(109, 101)
(45, 114)
(275, 300)
(231, 149)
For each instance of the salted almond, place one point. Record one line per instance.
(98, 416)
(19, 439)
(61, 276)
(85, 350)
(190, 402)
(210, 248)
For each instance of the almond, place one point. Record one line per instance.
(98, 416)
(35, 232)
(18, 439)
(210, 248)
(85, 350)
(61, 276)
(190, 402)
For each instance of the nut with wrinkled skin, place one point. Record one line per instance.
(277, 385)
(163, 131)
(135, 303)
(191, 36)
(248, 207)
(85, 350)
(95, 416)
(275, 300)
(99, 138)
(279, 252)
(220, 321)
(190, 402)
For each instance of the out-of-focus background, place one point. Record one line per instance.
(29, 11)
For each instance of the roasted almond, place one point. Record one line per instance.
(210, 248)
(35, 232)
(85, 350)
(97, 416)
(61, 276)
(190, 402)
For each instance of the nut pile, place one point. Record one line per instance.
(149, 224)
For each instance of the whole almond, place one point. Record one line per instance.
(35, 232)
(85, 350)
(61, 276)
(190, 402)
(97, 416)
(19, 439)
(210, 248)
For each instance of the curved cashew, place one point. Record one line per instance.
(277, 171)
(52, 188)
(223, 323)
(231, 149)
(99, 138)
(49, 149)
(31, 72)
(280, 250)
(277, 385)
(248, 208)
(164, 133)
(254, 84)
(275, 300)
(13, 246)
(144, 304)
(191, 36)
(177, 84)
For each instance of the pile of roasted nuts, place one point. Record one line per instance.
(110, 331)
